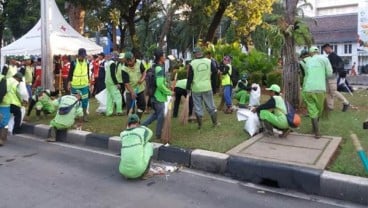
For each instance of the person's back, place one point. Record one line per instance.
(136, 151)
(67, 120)
(317, 70)
(201, 75)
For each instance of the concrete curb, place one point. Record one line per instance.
(308, 180)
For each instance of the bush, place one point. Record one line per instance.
(182, 73)
(256, 77)
(274, 77)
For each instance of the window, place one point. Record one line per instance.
(334, 48)
(347, 48)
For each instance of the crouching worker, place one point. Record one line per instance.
(273, 113)
(44, 104)
(242, 91)
(69, 108)
(136, 151)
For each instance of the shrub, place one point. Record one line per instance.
(256, 77)
(182, 73)
(274, 77)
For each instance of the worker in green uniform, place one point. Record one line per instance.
(136, 150)
(199, 82)
(317, 70)
(28, 70)
(160, 94)
(16, 101)
(69, 108)
(134, 75)
(113, 86)
(10, 70)
(78, 78)
(273, 113)
(4, 109)
(242, 91)
(180, 90)
(44, 104)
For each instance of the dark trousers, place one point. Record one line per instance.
(178, 93)
(141, 102)
(15, 110)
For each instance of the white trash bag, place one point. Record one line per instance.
(11, 120)
(255, 96)
(252, 124)
(22, 90)
(101, 98)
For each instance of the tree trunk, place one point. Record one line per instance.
(291, 84)
(114, 40)
(122, 36)
(167, 25)
(76, 17)
(216, 20)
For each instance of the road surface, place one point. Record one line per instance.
(34, 173)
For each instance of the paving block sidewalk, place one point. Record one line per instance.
(296, 149)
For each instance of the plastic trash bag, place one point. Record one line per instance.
(255, 96)
(252, 124)
(11, 120)
(22, 90)
(101, 98)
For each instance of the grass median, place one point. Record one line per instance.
(231, 132)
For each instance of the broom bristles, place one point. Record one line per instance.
(185, 112)
(166, 130)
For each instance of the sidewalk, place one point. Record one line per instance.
(296, 163)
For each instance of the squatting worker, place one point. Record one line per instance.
(136, 150)
(273, 113)
(69, 108)
(199, 82)
(317, 69)
(79, 79)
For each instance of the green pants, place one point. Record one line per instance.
(242, 96)
(113, 98)
(277, 120)
(315, 103)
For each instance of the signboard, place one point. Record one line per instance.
(363, 25)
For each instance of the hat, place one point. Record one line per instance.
(18, 75)
(121, 55)
(158, 53)
(26, 57)
(244, 77)
(197, 52)
(171, 57)
(274, 88)
(313, 49)
(133, 119)
(82, 52)
(227, 59)
(128, 55)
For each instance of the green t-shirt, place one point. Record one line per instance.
(161, 91)
(317, 70)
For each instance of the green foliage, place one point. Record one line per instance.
(182, 73)
(259, 61)
(274, 77)
(256, 77)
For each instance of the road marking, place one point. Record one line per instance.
(258, 188)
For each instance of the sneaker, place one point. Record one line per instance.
(345, 107)
(52, 137)
(285, 133)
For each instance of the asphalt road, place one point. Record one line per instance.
(38, 174)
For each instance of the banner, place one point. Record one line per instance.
(363, 25)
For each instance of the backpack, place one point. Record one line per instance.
(3, 89)
(151, 81)
(234, 76)
(293, 118)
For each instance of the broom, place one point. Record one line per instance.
(166, 130)
(185, 112)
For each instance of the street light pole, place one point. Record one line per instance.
(46, 52)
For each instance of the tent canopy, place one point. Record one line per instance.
(64, 40)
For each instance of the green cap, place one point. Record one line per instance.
(121, 55)
(274, 88)
(313, 49)
(128, 55)
(133, 119)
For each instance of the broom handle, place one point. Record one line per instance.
(360, 150)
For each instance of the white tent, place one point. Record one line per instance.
(64, 40)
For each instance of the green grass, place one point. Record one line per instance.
(231, 133)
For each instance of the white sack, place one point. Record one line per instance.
(22, 90)
(252, 123)
(101, 98)
(11, 120)
(255, 96)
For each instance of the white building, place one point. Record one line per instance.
(336, 22)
